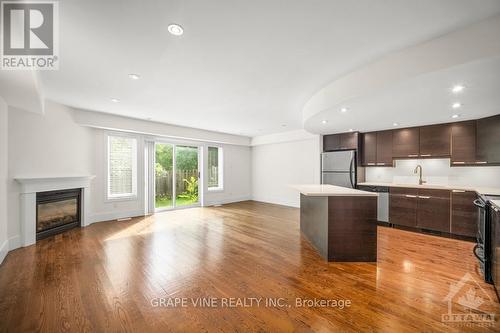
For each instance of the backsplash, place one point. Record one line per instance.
(435, 171)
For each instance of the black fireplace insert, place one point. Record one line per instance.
(57, 211)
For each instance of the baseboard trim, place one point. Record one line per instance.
(4, 249)
(227, 201)
(104, 217)
(277, 201)
(9, 245)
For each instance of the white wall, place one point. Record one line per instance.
(55, 144)
(436, 171)
(43, 146)
(276, 166)
(4, 246)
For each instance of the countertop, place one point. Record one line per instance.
(479, 189)
(330, 191)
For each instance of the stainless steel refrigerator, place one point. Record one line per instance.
(339, 168)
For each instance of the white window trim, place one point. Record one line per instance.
(222, 169)
(121, 197)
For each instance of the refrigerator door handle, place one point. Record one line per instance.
(350, 172)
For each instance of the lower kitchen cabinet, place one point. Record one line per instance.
(495, 248)
(403, 206)
(463, 213)
(433, 210)
(420, 208)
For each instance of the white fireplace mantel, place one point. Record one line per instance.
(30, 186)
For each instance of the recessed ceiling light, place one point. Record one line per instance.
(458, 88)
(343, 110)
(351, 130)
(115, 100)
(456, 105)
(175, 29)
(324, 122)
(283, 125)
(134, 76)
(395, 124)
(455, 116)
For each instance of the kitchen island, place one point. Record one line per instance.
(341, 223)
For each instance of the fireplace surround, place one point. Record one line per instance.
(30, 187)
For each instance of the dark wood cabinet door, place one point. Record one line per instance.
(331, 142)
(433, 211)
(403, 206)
(435, 140)
(340, 141)
(488, 140)
(384, 148)
(369, 149)
(405, 142)
(349, 140)
(463, 143)
(463, 213)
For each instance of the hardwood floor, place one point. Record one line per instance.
(105, 277)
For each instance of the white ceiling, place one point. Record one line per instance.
(242, 67)
(422, 100)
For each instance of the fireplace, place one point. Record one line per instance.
(57, 211)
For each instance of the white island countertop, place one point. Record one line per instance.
(315, 190)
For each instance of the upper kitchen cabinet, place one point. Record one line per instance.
(384, 148)
(488, 140)
(405, 142)
(341, 141)
(463, 143)
(369, 149)
(435, 140)
(377, 148)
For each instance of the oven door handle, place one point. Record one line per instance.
(479, 203)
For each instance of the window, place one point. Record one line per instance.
(215, 168)
(122, 167)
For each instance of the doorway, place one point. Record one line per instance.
(176, 176)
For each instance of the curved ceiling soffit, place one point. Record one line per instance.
(473, 43)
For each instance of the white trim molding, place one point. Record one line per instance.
(29, 188)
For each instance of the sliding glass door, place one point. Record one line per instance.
(176, 176)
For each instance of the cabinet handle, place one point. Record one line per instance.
(458, 191)
(426, 155)
(413, 155)
(410, 196)
(370, 163)
(424, 197)
(481, 162)
(380, 163)
(459, 162)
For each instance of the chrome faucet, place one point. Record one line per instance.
(420, 181)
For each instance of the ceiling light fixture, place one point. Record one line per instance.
(115, 100)
(455, 116)
(351, 130)
(134, 76)
(324, 122)
(395, 124)
(456, 105)
(457, 89)
(175, 29)
(343, 110)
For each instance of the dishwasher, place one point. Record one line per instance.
(382, 202)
